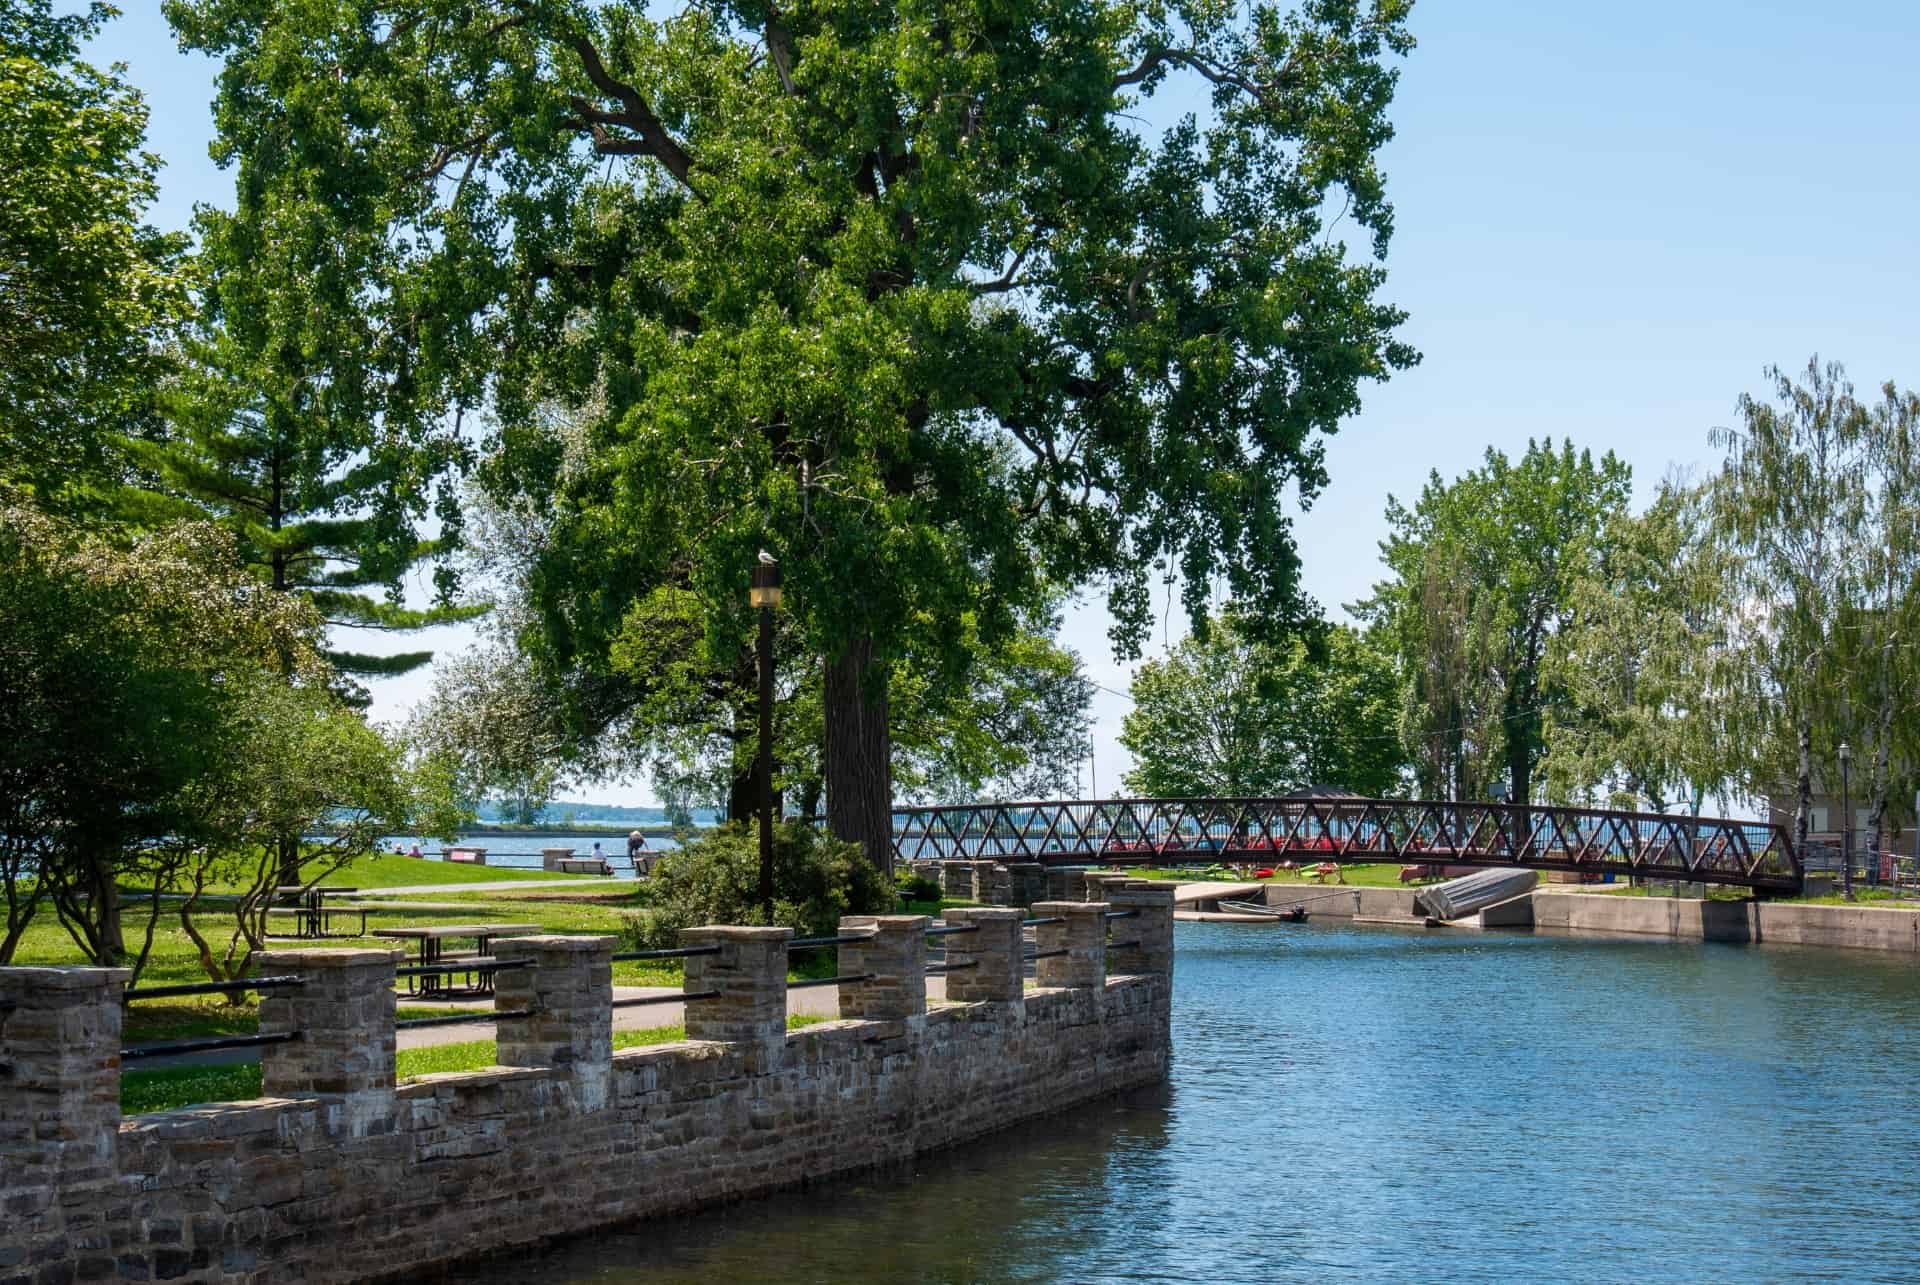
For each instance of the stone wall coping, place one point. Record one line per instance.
(850, 1030)
(217, 1119)
(991, 914)
(330, 957)
(570, 942)
(898, 922)
(734, 932)
(64, 977)
(482, 1077)
(692, 1050)
(1048, 909)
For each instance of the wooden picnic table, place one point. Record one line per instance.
(432, 950)
(311, 907)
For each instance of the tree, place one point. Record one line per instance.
(1510, 540)
(1230, 715)
(901, 295)
(87, 290)
(1789, 502)
(1884, 661)
(122, 671)
(315, 510)
(1646, 662)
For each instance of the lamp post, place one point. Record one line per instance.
(1846, 820)
(764, 595)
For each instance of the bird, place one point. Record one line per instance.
(766, 559)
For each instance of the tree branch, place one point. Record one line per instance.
(636, 115)
(1228, 76)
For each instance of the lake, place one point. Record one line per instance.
(1372, 1104)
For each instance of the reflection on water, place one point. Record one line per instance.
(1370, 1104)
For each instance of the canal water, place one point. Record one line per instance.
(1373, 1104)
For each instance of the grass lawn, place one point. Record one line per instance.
(172, 1088)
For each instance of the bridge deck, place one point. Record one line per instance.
(1711, 850)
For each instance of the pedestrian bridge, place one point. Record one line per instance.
(1344, 829)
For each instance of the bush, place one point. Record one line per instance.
(916, 887)
(716, 880)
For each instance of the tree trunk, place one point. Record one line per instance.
(859, 754)
(288, 846)
(107, 921)
(1520, 791)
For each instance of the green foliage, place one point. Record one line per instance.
(88, 292)
(1647, 720)
(716, 879)
(1483, 571)
(1229, 715)
(915, 887)
(902, 295)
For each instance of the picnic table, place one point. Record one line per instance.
(432, 951)
(310, 908)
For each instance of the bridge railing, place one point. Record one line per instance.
(1143, 831)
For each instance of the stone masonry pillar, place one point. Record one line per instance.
(994, 949)
(1152, 928)
(1098, 881)
(981, 889)
(59, 1090)
(750, 972)
(1084, 937)
(570, 990)
(344, 1018)
(896, 955)
(956, 878)
(1028, 880)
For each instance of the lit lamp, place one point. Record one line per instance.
(763, 594)
(1846, 820)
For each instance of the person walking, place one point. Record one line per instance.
(636, 846)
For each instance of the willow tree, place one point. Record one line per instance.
(906, 294)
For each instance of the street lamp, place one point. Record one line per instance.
(1846, 820)
(764, 595)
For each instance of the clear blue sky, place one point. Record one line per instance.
(1610, 218)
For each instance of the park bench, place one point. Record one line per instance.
(583, 866)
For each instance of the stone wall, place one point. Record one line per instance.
(1782, 923)
(338, 1175)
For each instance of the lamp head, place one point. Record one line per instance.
(1846, 753)
(764, 588)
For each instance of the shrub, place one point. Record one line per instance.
(716, 880)
(916, 887)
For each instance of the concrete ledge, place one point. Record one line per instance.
(1781, 923)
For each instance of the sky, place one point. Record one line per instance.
(1610, 218)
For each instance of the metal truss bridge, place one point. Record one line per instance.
(1712, 850)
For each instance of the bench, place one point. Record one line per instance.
(467, 856)
(583, 866)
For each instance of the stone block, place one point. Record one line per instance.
(749, 972)
(984, 964)
(343, 1018)
(569, 990)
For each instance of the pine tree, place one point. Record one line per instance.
(323, 514)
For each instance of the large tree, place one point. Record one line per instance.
(904, 293)
(88, 290)
(1790, 501)
(1649, 664)
(1483, 570)
(1230, 715)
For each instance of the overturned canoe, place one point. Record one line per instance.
(1261, 910)
(1470, 894)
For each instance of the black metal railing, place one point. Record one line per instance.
(207, 1045)
(844, 978)
(137, 993)
(679, 997)
(670, 952)
(816, 943)
(463, 1019)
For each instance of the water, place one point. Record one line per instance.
(1368, 1104)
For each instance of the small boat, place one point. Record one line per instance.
(1282, 914)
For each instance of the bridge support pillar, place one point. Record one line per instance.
(985, 964)
(983, 888)
(896, 956)
(1081, 937)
